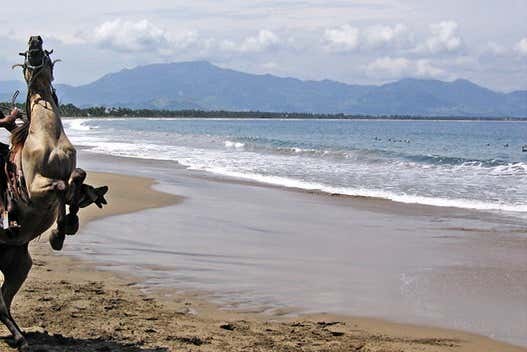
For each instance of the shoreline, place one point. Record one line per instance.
(197, 324)
(369, 118)
(361, 201)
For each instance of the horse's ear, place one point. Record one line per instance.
(49, 52)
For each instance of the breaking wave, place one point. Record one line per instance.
(493, 184)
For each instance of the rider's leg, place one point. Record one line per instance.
(3, 187)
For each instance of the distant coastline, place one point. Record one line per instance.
(70, 110)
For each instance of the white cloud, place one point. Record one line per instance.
(495, 49)
(389, 67)
(347, 38)
(139, 36)
(264, 40)
(271, 65)
(399, 67)
(379, 36)
(341, 39)
(424, 68)
(521, 47)
(130, 36)
(445, 38)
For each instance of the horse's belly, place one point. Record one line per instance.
(61, 163)
(54, 163)
(35, 220)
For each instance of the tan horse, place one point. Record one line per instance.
(46, 180)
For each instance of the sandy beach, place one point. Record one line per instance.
(69, 305)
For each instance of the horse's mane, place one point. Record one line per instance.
(19, 136)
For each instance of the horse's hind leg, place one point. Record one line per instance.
(14, 276)
(74, 196)
(11, 325)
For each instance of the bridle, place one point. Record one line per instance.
(36, 69)
(29, 54)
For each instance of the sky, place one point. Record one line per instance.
(361, 42)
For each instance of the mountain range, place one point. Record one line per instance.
(201, 85)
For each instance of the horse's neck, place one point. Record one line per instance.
(45, 120)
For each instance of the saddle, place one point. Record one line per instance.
(16, 184)
(10, 188)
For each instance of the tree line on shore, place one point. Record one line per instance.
(70, 110)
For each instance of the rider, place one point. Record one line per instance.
(7, 122)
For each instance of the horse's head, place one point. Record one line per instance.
(38, 73)
(37, 66)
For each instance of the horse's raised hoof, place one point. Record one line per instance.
(71, 224)
(78, 175)
(56, 240)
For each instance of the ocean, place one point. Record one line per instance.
(466, 164)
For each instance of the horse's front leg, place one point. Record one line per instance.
(73, 199)
(57, 236)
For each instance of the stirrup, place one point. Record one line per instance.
(5, 220)
(6, 223)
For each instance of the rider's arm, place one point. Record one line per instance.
(8, 122)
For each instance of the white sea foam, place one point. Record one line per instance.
(236, 145)
(202, 160)
(470, 185)
(365, 192)
(78, 124)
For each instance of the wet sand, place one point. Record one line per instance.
(68, 305)
(255, 248)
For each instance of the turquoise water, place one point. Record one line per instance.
(476, 164)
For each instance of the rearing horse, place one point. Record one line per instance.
(44, 181)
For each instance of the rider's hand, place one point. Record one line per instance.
(9, 121)
(16, 112)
